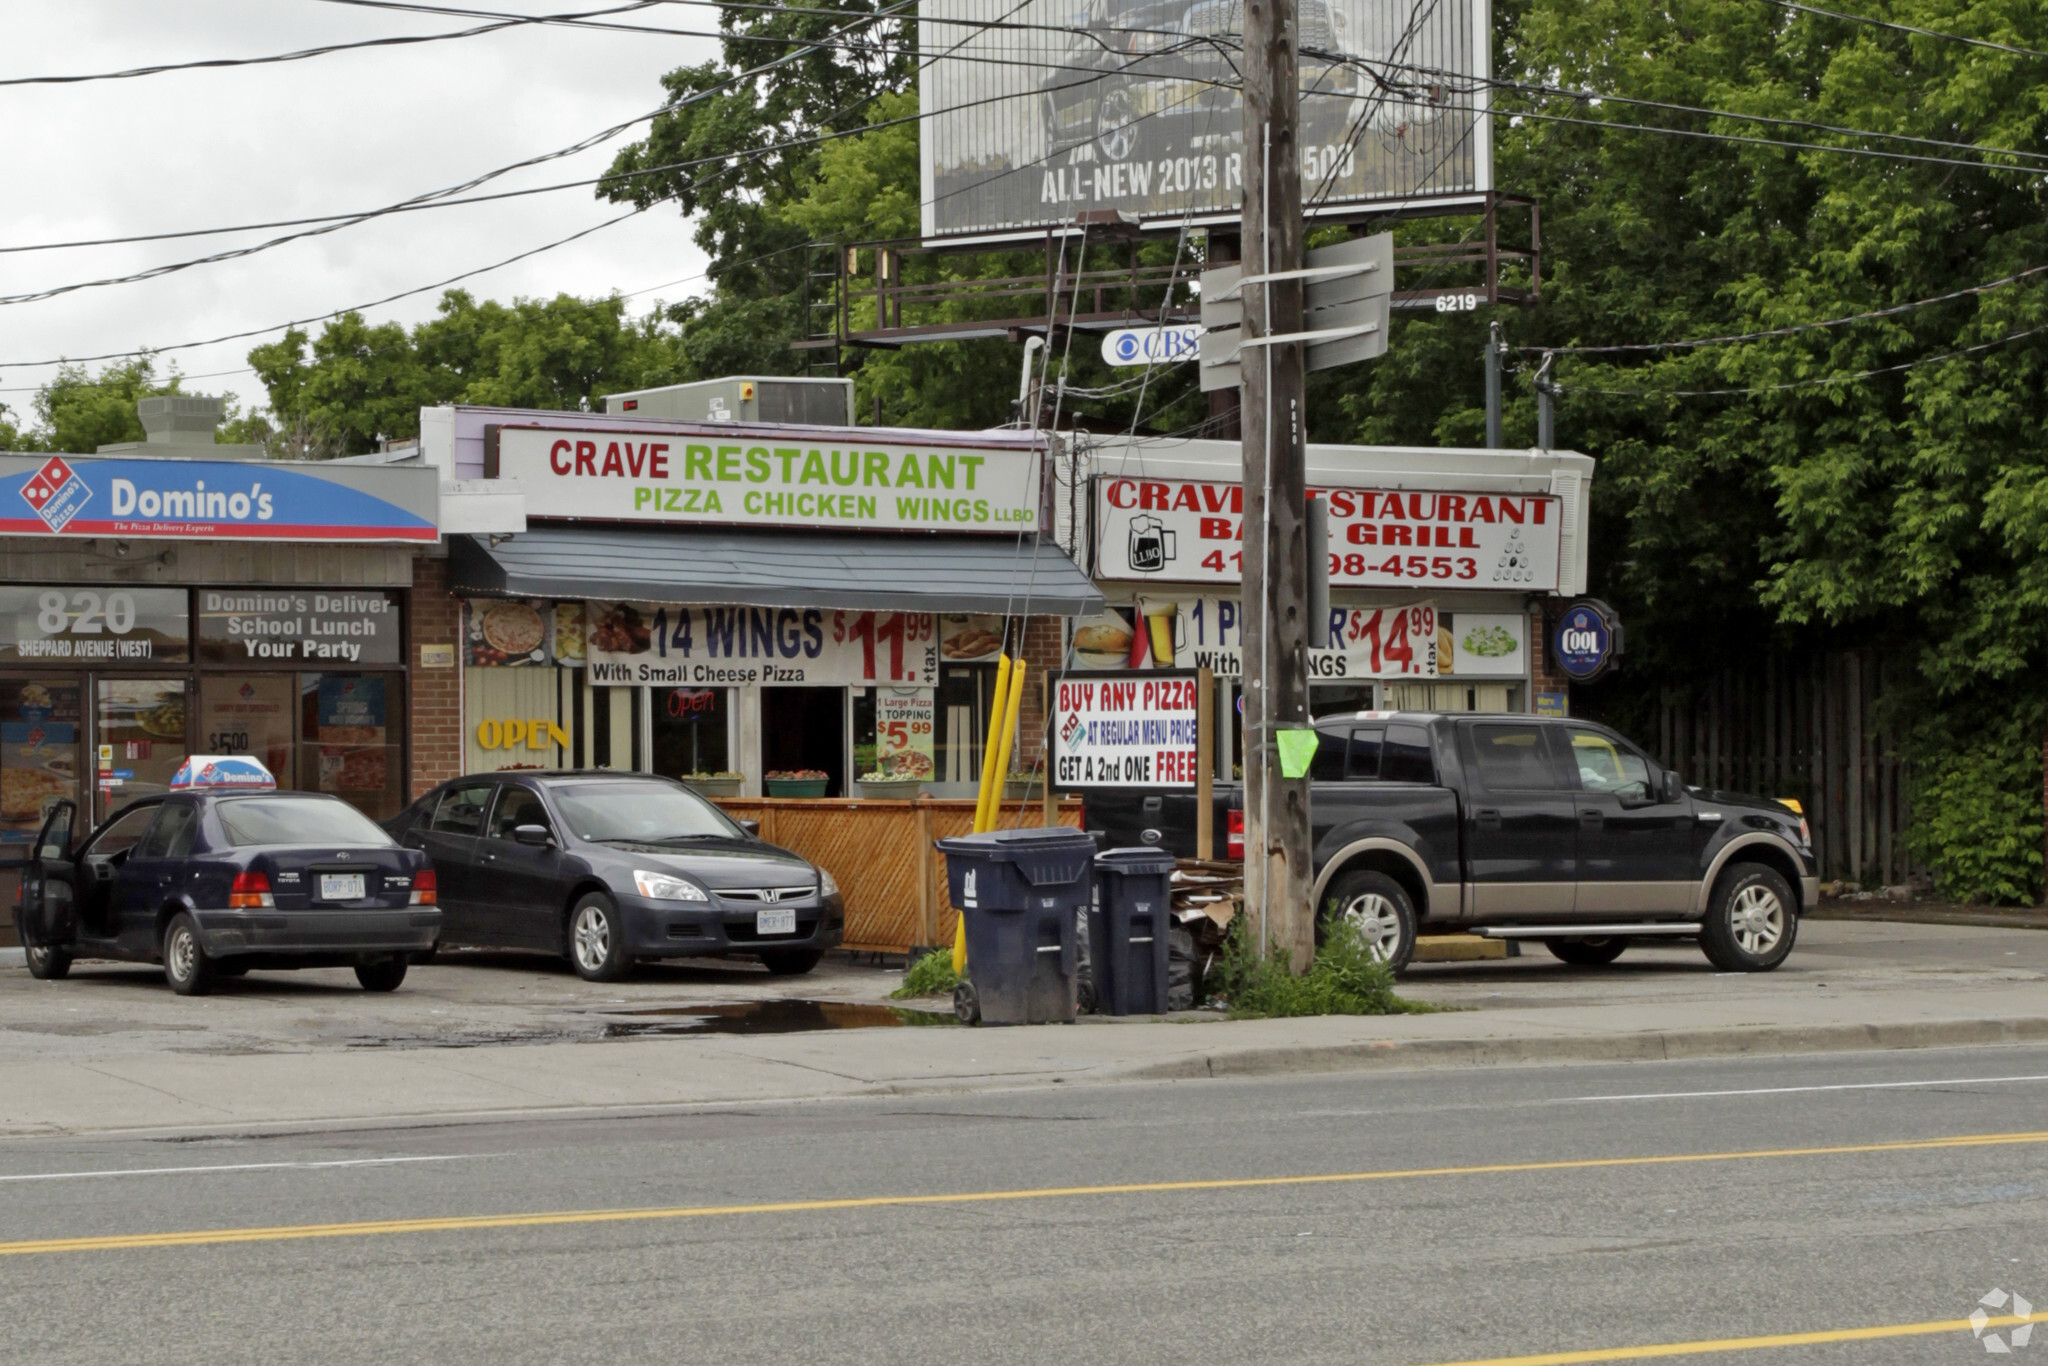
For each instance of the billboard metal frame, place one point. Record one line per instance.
(860, 276)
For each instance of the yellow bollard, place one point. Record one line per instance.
(989, 781)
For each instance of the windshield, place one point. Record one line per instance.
(638, 811)
(297, 820)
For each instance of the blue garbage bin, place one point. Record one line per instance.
(1127, 931)
(1019, 891)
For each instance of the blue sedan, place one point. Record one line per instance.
(213, 883)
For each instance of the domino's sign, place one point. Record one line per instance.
(1587, 640)
(1151, 345)
(213, 499)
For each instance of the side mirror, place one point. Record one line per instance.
(752, 828)
(532, 834)
(1674, 786)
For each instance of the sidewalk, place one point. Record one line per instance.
(114, 1050)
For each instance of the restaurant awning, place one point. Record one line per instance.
(775, 569)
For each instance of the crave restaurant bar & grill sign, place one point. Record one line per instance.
(780, 477)
(1192, 531)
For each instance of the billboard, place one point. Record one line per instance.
(1034, 112)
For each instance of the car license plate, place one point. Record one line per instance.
(775, 922)
(341, 886)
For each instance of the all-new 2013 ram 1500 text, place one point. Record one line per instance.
(1518, 827)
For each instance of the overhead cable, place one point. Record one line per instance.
(1815, 382)
(405, 40)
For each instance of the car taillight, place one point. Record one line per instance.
(250, 891)
(424, 888)
(1233, 838)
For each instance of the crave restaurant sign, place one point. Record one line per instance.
(1185, 531)
(243, 499)
(776, 476)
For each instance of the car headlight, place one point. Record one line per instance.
(826, 886)
(662, 887)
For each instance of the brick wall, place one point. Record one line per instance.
(1044, 655)
(1542, 668)
(436, 708)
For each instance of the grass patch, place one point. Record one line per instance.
(1344, 979)
(930, 975)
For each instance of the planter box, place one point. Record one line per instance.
(797, 787)
(715, 787)
(1016, 789)
(891, 789)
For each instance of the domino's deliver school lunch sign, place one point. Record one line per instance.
(241, 499)
(1120, 730)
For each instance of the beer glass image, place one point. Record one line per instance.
(1163, 628)
(1151, 545)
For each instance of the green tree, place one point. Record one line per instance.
(78, 412)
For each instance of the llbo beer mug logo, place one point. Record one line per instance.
(1152, 545)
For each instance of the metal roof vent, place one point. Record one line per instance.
(180, 420)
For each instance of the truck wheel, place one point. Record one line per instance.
(47, 964)
(186, 966)
(1380, 909)
(1587, 953)
(1751, 921)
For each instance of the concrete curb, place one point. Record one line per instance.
(1652, 1046)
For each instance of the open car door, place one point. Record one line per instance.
(49, 885)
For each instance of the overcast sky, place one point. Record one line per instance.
(336, 133)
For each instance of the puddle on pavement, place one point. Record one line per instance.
(768, 1017)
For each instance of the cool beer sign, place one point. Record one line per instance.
(1124, 730)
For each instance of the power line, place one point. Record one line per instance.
(302, 54)
(1804, 383)
(301, 322)
(334, 313)
(1792, 329)
(1596, 98)
(1908, 28)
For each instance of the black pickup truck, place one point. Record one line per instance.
(1518, 827)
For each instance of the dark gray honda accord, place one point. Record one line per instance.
(607, 868)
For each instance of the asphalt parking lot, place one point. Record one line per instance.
(471, 999)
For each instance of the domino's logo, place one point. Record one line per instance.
(56, 493)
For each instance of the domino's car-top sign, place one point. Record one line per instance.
(1587, 640)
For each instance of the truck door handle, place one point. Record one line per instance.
(1591, 820)
(1486, 818)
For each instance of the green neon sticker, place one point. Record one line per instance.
(1297, 747)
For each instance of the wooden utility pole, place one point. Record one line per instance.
(1277, 873)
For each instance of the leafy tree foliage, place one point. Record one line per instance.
(362, 382)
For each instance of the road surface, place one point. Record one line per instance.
(1516, 1213)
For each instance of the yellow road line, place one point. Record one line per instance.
(460, 1223)
(1678, 1349)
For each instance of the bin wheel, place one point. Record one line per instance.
(966, 1004)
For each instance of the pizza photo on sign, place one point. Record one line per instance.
(506, 633)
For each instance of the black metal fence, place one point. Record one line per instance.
(1812, 728)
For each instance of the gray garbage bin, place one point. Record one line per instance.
(1019, 891)
(1127, 931)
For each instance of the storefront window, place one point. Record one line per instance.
(960, 722)
(351, 729)
(41, 728)
(48, 625)
(692, 731)
(249, 714)
(1451, 697)
(1335, 699)
(142, 731)
(804, 729)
